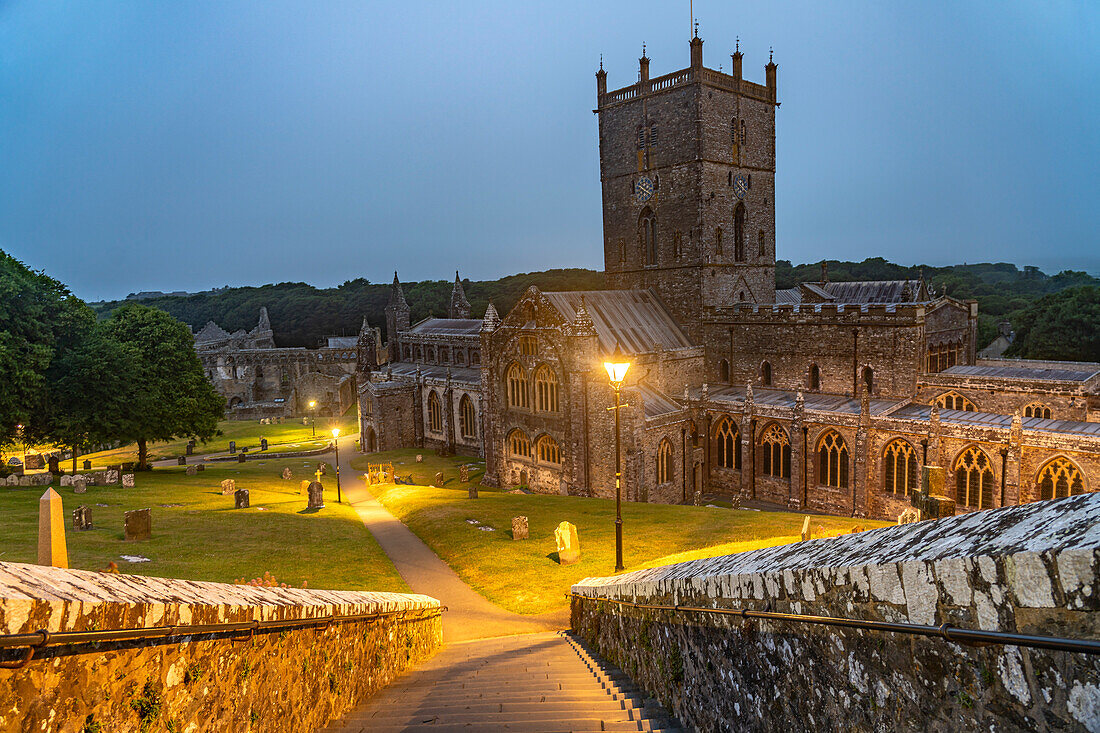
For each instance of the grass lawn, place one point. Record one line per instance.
(280, 438)
(199, 535)
(524, 576)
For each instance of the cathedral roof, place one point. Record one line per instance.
(1022, 372)
(862, 291)
(634, 320)
(448, 327)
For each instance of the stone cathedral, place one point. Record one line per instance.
(825, 397)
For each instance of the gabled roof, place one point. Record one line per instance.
(1020, 372)
(211, 332)
(448, 327)
(634, 320)
(878, 291)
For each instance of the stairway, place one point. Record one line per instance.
(536, 683)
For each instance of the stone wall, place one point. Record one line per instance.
(1030, 569)
(276, 680)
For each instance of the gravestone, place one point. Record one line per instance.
(138, 524)
(111, 477)
(471, 491)
(438, 479)
(228, 486)
(181, 461)
(34, 461)
(305, 421)
(12, 480)
(240, 458)
(54, 468)
(323, 468)
(931, 501)
(806, 533)
(41, 479)
(80, 486)
(240, 499)
(190, 449)
(66, 481)
(127, 467)
(519, 528)
(82, 518)
(569, 544)
(52, 549)
(287, 473)
(419, 458)
(316, 498)
(128, 480)
(304, 486)
(87, 465)
(244, 449)
(464, 473)
(192, 470)
(909, 516)
(263, 443)
(200, 467)
(232, 446)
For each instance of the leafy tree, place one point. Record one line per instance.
(1064, 325)
(171, 397)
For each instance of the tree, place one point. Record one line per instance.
(171, 397)
(1064, 325)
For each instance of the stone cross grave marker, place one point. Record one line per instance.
(138, 524)
(51, 531)
(316, 498)
(128, 480)
(569, 544)
(192, 470)
(79, 485)
(806, 532)
(519, 528)
(240, 499)
(287, 473)
(82, 518)
(87, 465)
(228, 486)
(438, 479)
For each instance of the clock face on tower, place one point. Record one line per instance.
(740, 185)
(644, 189)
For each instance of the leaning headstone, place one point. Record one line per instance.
(54, 468)
(807, 534)
(138, 524)
(181, 461)
(438, 479)
(232, 446)
(127, 480)
(241, 457)
(263, 443)
(51, 531)
(80, 486)
(228, 486)
(111, 477)
(419, 458)
(287, 473)
(87, 465)
(464, 473)
(82, 518)
(192, 470)
(66, 480)
(909, 516)
(316, 494)
(304, 486)
(569, 544)
(240, 499)
(519, 528)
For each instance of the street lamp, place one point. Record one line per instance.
(336, 443)
(313, 417)
(616, 372)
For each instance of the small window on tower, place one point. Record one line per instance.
(656, 183)
(761, 243)
(641, 138)
(678, 245)
(733, 131)
(653, 136)
(718, 240)
(742, 132)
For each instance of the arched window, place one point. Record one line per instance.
(776, 452)
(418, 353)
(431, 355)
(739, 232)
(945, 356)
(467, 417)
(900, 467)
(519, 446)
(460, 357)
(763, 247)
(367, 407)
(815, 377)
(955, 401)
(653, 136)
(766, 374)
(1037, 409)
(548, 450)
(435, 413)
(869, 380)
(406, 351)
(1060, 478)
(664, 462)
(973, 479)
(475, 358)
(546, 389)
(724, 370)
(727, 444)
(678, 245)
(647, 235)
(718, 240)
(742, 132)
(733, 132)
(832, 454)
(517, 387)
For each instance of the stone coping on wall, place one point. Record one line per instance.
(34, 597)
(1047, 554)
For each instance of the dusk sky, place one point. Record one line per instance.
(183, 146)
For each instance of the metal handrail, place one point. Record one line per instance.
(969, 637)
(42, 638)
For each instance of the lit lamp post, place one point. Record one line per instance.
(313, 417)
(616, 372)
(336, 443)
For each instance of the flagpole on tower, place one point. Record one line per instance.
(691, 12)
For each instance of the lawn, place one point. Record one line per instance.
(197, 534)
(524, 576)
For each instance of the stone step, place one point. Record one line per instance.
(605, 708)
(514, 721)
(572, 698)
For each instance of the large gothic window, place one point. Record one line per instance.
(517, 387)
(899, 468)
(945, 356)
(776, 452)
(739, 232)
(955, 401)
(519, 445)
(1037, 409)
(664, 462)
(546, 389)
(727, 444)
(647, 235)
(548, 450)
(467, 417)
(435, 413)
(832, 455)
(973, 479)
(1060, 478)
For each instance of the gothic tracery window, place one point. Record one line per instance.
(955, 401)
(664, 462)
(776, 452)
(546, 389)
(1037, 409)
(519, 445)
(899, 467)
(435, 413)
(548, 450)
(727, 444)
(1060, 478)
(467, 418)
(973, 479)
(832, 461)
(517, 387)
(647, 235)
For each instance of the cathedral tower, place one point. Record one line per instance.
(397, 318)
(687, 165)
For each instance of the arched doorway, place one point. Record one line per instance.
(370, 441)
